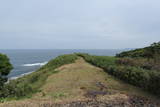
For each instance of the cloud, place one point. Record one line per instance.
(91, 23)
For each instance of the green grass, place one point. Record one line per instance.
(27, 85)
(128, 70)
(100, 61)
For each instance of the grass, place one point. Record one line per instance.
(73, 81)
(132, 71)
(71, 78)
(26, 86)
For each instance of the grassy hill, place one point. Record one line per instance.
(152, 51)
(27, 85)
(70, 81)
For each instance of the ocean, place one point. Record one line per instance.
(27, 61)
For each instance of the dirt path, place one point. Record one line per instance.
(83, 85)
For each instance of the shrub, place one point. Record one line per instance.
(5, 68)
(100, 61)
(154, 83)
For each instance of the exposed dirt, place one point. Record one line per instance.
(94, 103)
(117, 102)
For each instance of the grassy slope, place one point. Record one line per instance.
(73, 81)
(151, 51)
(27, 85)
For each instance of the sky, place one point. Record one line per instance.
(78, 24)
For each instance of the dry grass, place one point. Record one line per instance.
(72, 82)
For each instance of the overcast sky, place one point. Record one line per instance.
(78, 24)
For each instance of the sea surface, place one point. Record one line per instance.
(27, 61)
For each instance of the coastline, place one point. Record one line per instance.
(16, 77)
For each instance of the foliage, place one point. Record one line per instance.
(129, 70)
(147, 58)
(154, 83)
(135, 76)
(5, 68)
(100, 61)
(152, 51)
(139, 62)
(29, 84)
(132, 53)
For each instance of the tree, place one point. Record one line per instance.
(5, 68)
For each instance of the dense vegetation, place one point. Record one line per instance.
(146, 64)
(129, 70)
(152, 51)
(29, 84)
(100, 61)
(147, 58)
(5, 68)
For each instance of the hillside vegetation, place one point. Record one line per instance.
(5, 68)
(81, 84)
(146, 58)
(30, 84)
(131, 70)
(152, 51)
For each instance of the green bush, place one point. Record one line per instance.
(5, 68)
(100, 61)
(135, 76)
(148, 64)
(150, 52)
(154, 83)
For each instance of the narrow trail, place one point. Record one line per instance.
(83, 85)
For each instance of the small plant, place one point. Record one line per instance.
(59, 95)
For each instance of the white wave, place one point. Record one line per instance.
(27, 65)
(13, 78)
(35, 64)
